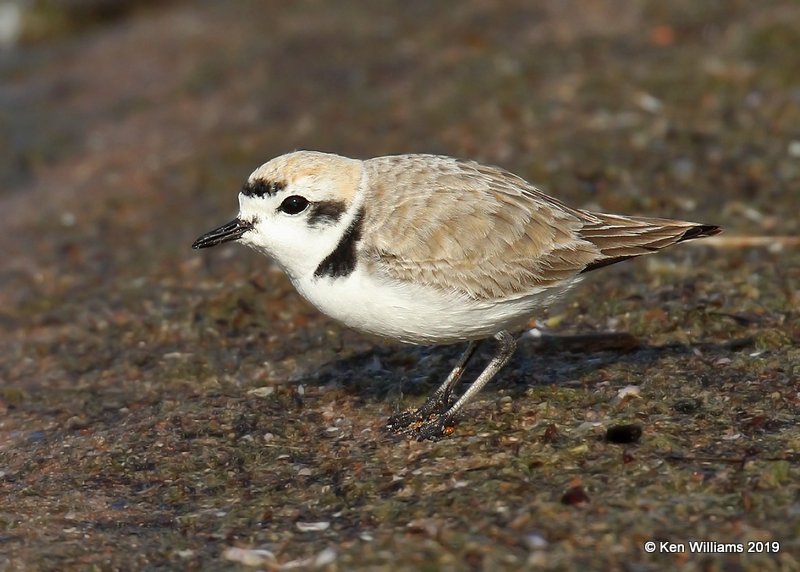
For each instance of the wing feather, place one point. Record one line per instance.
(468, 228)
(485, 233)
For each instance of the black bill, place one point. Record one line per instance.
(229, 231)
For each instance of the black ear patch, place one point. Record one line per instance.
(342, 261)
(326, 212)
(259, 188)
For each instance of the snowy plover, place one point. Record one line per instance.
(427, 249)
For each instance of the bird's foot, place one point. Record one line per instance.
(411, 420)
(431, 428)
(434, 429)
(400, 422)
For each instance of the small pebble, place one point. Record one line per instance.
(575, 496)
(628, 433)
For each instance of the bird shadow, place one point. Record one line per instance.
(395, 371)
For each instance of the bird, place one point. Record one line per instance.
(431, 250)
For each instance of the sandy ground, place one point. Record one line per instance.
(162, 408)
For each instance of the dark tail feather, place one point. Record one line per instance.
(619, 238)
(700, 231)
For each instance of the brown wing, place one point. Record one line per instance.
(487, 233)
(468, 228)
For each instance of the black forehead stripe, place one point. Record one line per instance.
(259, 188)
(326, 212)
(256, 188)
(342, 261)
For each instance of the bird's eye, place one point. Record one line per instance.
(293, 205)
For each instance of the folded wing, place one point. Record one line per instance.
(485, 233)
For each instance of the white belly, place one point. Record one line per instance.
(417, 314)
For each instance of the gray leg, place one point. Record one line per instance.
(436, 428)
(439, 400)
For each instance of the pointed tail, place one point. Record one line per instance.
(619, 238)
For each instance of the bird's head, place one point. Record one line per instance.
(294, 208)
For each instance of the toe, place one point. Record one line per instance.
(400, 421)
(435, 429)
